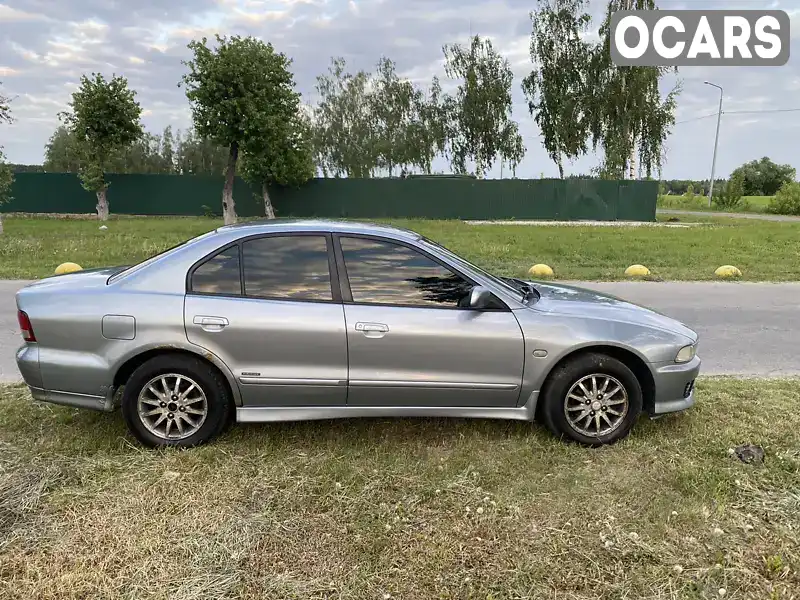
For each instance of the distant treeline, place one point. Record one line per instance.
(189, 155)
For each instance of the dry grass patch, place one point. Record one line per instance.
(433, 508)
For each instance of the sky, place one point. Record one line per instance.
(45, 46)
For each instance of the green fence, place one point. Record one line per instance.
(415, 197)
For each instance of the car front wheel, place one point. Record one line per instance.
(593, 399)
(175, 400)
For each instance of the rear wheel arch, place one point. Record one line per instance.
(630, 359)
(131, 364)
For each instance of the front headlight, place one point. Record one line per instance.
(686, 354)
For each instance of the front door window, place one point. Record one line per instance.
(386, 273)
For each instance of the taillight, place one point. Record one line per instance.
(25, 326)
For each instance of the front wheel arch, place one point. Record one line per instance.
(627, 357)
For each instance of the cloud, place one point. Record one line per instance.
(47, 45)
(9, 14)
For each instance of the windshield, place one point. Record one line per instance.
(503, 283)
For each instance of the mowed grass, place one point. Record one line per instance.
(764, 251)
(755, 204)
(758, 203)
(427, 508)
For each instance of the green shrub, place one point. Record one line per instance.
(730, 194)
(787, 200)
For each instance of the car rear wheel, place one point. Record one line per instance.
(593, 399)
(175, 400)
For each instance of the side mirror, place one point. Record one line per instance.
(480, 297)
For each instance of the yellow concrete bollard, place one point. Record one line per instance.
(637, 271)
(540, 270)
(67, 267)
(728, 271)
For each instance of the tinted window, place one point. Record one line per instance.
(288, 267)
(219, 275)
(387, 273)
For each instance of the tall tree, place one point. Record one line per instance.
(234, 90)
(556, 86)
(627, 117)
(281, 154)
(104, 117)
(343, 123)
(393, 106)
(480, 112)
(6, 173)
(61, 153)
(168, 150)
(764, 177)
(428, 131)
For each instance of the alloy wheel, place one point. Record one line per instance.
(596, 405)
(172, 406)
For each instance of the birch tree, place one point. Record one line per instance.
(393, 104)
(628, 118)
(344, 126)
(556, 86)
(480, 128)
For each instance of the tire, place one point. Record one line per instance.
(566, 379)
(200, 419)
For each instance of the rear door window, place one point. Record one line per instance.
(287, 267)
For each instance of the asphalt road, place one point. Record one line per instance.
(745, 328)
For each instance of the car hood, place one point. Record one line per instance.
(582, 302)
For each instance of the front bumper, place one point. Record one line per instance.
(674, 386)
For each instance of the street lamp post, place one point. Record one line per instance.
(716, 141)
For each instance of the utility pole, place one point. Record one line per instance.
(716, 141)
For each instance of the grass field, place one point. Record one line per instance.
(764, 251)
(413, 509)
(757, 204)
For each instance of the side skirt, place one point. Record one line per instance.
(269, 414)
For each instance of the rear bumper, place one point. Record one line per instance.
(674, 386)
(28, 365)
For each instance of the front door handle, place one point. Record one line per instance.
(211, 323)
(376, 330)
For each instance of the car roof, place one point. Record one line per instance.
(258, 226)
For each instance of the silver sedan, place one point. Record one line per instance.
(303, 319)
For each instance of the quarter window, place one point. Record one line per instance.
(219, 274)
(386, 273)
(287, 267)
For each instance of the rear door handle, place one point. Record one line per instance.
(211, 323)
(372, 329)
